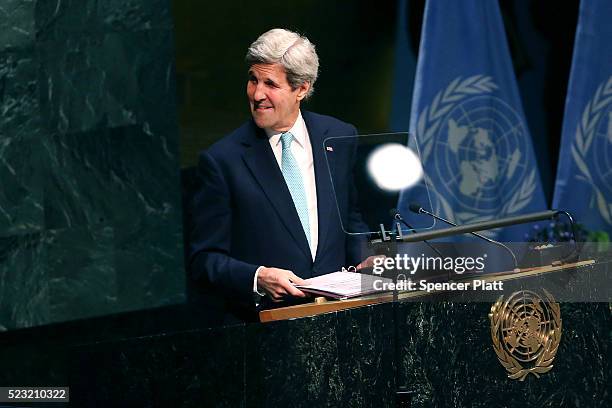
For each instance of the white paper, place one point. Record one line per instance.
(344, 284)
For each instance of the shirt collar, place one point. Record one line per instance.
(298, 130)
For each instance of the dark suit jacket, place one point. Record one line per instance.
(244, 216)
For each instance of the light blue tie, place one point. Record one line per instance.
(293, 178)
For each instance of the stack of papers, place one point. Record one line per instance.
(344, 285)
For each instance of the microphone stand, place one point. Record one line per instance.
(575, 254)
(398, 217)
(420, 210)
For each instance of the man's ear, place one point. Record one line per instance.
(303, 90)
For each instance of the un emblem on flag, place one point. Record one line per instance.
(477, 147)
(592, 148)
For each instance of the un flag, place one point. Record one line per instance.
(584, 176)
(468, 120)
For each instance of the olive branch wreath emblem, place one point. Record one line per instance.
(428, 123)
(585, 132)
(550, 341)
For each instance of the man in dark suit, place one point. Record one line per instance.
(266, 216)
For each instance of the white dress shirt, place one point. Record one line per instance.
(302, 152)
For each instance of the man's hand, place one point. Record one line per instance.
(369, 262)
(278, 283)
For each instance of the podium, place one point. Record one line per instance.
(437, 348)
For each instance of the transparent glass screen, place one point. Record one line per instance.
(378, 179)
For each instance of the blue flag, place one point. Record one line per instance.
(468, 120)
(584, 175)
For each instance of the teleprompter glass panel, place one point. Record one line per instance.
(381, 178)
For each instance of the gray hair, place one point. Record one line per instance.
(291, 50)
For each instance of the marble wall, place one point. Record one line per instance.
(90, 219)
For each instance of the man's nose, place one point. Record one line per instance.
(259, 93)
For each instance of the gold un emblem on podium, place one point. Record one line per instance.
(526, 332)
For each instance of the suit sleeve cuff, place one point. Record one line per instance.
(255, 291)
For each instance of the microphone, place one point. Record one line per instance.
(416, 208)
(394, 212)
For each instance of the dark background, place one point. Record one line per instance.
(354, 40)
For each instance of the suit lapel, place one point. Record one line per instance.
(260, 160)
(326, 202)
